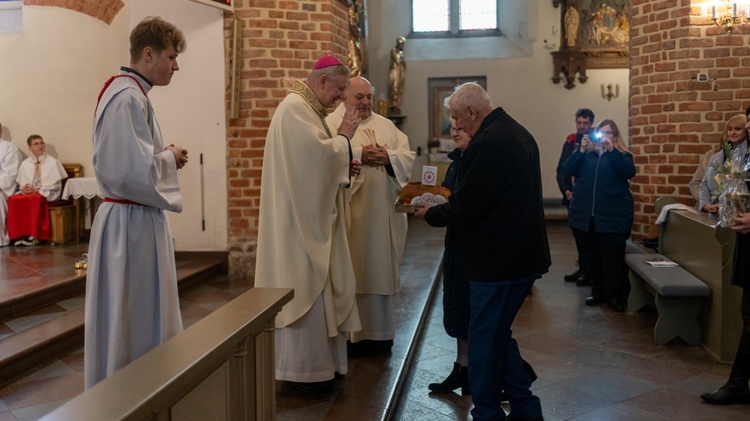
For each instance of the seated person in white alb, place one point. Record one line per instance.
(39, 181)
(10, 160)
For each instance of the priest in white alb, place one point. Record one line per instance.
(377, 233)
(302, 242)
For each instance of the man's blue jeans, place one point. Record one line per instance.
(495, 363)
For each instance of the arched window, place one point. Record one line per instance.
(450, 18)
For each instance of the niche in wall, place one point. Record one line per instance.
(437, 90)
(595, 35)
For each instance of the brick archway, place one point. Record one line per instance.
(104, 10)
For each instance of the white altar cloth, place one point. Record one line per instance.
(81, 187)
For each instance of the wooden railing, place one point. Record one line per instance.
(221, 368)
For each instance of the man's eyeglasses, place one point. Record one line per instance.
(455, 130)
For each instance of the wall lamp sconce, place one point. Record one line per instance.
(610, 91)
(729, 17)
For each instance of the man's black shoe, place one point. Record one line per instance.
(367, 347)
(317, 388)
(512, 417)
(615, 305)
(583, 281)
(594, 300)
(728, 395)
(573, 276)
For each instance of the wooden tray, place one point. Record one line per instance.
(402, 208)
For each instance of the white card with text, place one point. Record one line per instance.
(429, 175)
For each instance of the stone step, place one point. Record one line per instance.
(17, 304)
(31, 347)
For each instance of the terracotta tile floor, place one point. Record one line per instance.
(593, 364)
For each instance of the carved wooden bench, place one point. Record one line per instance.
(672, 291)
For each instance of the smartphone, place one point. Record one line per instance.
(594, 136)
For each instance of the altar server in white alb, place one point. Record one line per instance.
(377, 233)
(10, 160)
(39, 182)
(131, 291)
(302, 240)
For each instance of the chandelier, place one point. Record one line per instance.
(729, 16)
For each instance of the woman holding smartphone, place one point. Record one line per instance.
(601, 211)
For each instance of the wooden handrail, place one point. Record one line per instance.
(220, 368)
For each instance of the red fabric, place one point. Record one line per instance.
(571, 138)
(109, 82)
(28, 214)
(122, 201)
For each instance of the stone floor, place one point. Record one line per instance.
(593, 364)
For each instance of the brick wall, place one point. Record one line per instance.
(281, 39)
(674, 118)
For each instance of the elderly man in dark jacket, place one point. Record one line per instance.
(503, 246)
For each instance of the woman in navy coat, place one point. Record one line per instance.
(602, 211)
(455, 285)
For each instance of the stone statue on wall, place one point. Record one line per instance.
(572, 21)
(396, 77)
(357, 51)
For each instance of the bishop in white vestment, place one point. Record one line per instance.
(302, 241)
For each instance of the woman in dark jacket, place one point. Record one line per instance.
(455, 286)
(602, 211)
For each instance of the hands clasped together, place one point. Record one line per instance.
(375, 155)
(180, 155)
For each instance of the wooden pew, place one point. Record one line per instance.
(672, 291)
(706, 251)
(220, 368)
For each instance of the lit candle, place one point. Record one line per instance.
(714, 12)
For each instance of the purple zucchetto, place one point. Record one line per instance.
(327, 61)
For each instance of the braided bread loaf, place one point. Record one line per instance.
(417, 194)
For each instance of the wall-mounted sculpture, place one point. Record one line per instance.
(357, 55)
(595, 35)
(396, 77)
